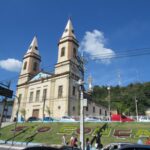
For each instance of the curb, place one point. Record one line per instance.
(11, 147)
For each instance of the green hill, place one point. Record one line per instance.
(123, 97)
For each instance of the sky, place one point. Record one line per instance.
(105, 30)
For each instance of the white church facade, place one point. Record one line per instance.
(55, 94)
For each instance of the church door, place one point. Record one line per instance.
(35, 113)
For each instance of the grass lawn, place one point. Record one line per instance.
(29, 134)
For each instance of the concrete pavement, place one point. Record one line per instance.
(9, 147)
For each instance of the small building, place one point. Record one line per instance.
(147, 112)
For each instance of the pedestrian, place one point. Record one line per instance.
(75, 142)
(139, 141)
(87, 144)
(147, 141)
(64, 139)
(72, 141)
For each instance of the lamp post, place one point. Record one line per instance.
(136, 108)
(18, 98)
(109, 114)
(81, 83)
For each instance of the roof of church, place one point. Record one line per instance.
(69, 31)
(33, 46)
(40, 75)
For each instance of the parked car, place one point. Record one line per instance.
(33, 119)
(67, 119)
(51, 148)
(115, 146)
(92, 119)
(135, 147)
(121, 118)
(144, 119)
(48, 119)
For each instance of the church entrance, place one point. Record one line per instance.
(35, 113)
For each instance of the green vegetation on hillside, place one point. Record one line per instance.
(123, 98)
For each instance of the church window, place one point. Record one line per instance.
(59, 107)
(73, 108)
(93, 109)
(37, 95)
(44, 94)
(100, 111)
(74, 91)
(36, 47)
(31, 97)
(60, 91)
(74, 53)
(63, 52)
(25, 65)
(87, 108)
(105, 113)
(35, 66)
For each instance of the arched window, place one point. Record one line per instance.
(63, 52)
(74, 53)
(35, 66)
(25, 65)
(73, 108)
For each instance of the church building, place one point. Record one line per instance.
(54, 94)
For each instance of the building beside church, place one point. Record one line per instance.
(55, 94)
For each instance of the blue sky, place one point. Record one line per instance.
(112, 25)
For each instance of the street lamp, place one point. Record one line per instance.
(81, 83)
(136, 107)
(109, 111)
(83, 103)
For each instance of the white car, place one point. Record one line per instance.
(92, 119)
(144, 119)
(115, 146)
(67, 119)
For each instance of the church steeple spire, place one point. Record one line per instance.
(33, 46)
(31, 62)
(69, 31)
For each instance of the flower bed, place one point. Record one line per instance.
(43, 129)
(86, 130)
(122, 133)
(19, 128)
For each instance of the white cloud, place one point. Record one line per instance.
(11, 64)
(93, 43)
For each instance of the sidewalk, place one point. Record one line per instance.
(10, 147)
(4, 124)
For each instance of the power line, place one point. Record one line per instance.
(123, 54)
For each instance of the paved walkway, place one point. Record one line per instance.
(4, 124)
(9, 147)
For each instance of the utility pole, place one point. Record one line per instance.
(109, 110)
(83, 103)
(81, 83)
(4, 104)
(136, 108)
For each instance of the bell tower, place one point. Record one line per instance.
(67, 51)
(31, 62)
